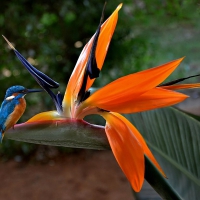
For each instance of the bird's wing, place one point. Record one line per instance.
(7, 107)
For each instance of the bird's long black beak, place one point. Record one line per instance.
(33, 90)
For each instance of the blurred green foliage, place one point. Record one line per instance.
(51, 35)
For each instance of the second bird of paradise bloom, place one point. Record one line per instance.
(136, 92)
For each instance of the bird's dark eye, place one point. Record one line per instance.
(22, 91)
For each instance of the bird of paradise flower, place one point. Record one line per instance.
(136, 92)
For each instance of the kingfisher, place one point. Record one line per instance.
(13, 107)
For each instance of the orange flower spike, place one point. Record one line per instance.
(126, 149)
(75, 82)
(153, 99)
(46, 116)
(105, 37)
(139, 137)
(121, 92)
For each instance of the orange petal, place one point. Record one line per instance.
(126, 149)
(121, 95)
(139, 137)
(50, 115)
(155, 98)
(75, 82)
(181, 86)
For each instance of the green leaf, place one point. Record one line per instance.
(174, 139)
(49, 19)
(70, 17)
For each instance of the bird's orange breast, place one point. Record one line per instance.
(16, 114)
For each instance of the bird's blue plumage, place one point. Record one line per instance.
(8, 105)
(13, 107)
(14, 89)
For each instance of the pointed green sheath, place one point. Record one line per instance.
(65, 133)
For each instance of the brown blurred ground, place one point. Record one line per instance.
(91, 175)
